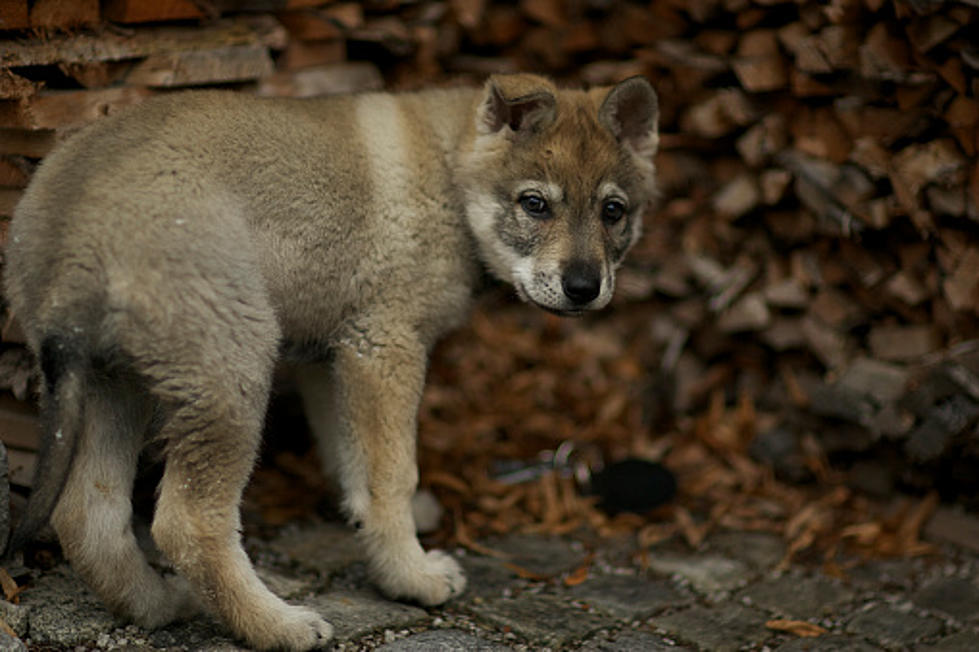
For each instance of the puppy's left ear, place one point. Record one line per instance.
(631, 112)
(516, 104)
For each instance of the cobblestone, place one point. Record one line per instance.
(545, 619)
(960, 642)
(723, 628)
(627, 597)
(717, 598)
(705, 573)
(797, 597)
(354, 614)
(831, 643)
(893, 628)
(760, 550)
(955, 597)
(630, 641)
(442, 640)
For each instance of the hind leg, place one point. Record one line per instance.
(212, 438)
(93, 517)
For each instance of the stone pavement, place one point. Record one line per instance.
(716, 598)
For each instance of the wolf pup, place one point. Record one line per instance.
(164, 259)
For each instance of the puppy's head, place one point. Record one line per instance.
(556, 183)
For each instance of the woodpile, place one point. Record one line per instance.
(806, 297)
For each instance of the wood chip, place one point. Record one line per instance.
(961, 288)
(758, 62)
(902, 343)
(737, 197)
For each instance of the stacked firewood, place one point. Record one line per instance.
(814, 254)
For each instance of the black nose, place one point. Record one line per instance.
(581, 282)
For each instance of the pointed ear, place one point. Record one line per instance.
(522, 103)
(631, 112)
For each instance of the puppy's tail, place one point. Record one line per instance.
(65, 367)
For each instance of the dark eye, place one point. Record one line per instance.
(534, 205)
(612, 211)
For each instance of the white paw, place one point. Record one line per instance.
(291, 628)
(430, 580)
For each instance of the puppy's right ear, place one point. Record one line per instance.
(516, 104)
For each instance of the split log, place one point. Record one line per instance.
(193, 68)
(64, 14)
(67, 109)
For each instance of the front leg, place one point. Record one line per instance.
(376, 389)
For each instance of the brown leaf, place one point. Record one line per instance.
(10, 589)
(7, 629)
(797, 627)
(579, 574)
(525, 573)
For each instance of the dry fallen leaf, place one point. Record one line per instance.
(577, 576)
(10, 589)
(7, 629)
(798, 627)
(525, 573)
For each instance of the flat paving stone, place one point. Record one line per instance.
(889, 574)
(354, 613)
(892, 627)
(631, 641)
(960, 642)
(627, 597)
(760, 550)
(541, 619)
(828, 643)
(443, 640)
(705, 573)
(724, 628)
(321, 547)
(487, 577)
(956, 597)
(801, 598)
(490, 577)
(547, 556)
